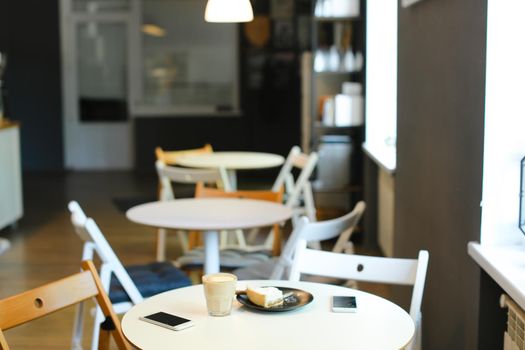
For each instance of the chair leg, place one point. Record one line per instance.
(194, 239)
(3, 342)
(104, 340)
(76, 342)
(419, 335)
(105, 277)
(277, 240)
(241, 241)
(161, 244)
(183, 239)
(223, 239)
(97, 334)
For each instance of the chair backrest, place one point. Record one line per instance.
(314, 231)
(202, 191)
(343, 241)
(168, 174)
(55, 296)
(94, 241)
(171, 157)
(274, 244)
(301, 186)
(364, 268)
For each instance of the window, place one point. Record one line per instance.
(381, 83)
(504, 145)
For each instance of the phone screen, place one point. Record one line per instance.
(344, 302)
(170, 320)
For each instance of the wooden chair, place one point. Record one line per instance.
(234, 256)
(367, 268)
(171, 157)
(126, 286)
(202, 191)
(168, 174)
(278, 268)
(58, 295)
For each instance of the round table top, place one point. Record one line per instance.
(209, 213)
(377, 324)
(232, 160)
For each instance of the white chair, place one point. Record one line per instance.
(300, 189)
(298, 193)
(168, 174)
(125, 286)
(277, 268)
(370, 269)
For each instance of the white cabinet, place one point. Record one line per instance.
(11, 208)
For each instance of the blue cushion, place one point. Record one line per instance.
(150, 279)
(229, 258)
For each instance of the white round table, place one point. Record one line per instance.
(377, 324)
(209, 215)
(232, 161)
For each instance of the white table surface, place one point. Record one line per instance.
(378, 323)
(209, 215)
(232, 160)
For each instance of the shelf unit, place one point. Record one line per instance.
(338, 183)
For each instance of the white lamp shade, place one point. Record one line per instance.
(228, 11)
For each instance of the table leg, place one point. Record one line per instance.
(211, 252)
(232, 176)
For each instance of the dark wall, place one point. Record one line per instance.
(439, 159)
(29, 33)
(267, 125)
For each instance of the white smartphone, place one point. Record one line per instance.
(344, 304)
(166, 320)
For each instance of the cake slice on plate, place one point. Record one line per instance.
(265, 296)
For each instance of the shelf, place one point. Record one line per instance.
(336, 128)
(336, 19)
(6, 123)
(354, 73)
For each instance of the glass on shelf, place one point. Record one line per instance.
(100, 6)
(332, 60)
(336, 8)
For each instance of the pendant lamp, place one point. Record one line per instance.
(228, 11)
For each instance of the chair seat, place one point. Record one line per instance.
(150, 279)
(229, 258)
(259, 271)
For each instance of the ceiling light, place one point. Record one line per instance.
(228, 11)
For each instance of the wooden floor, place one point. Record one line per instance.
(45, 247)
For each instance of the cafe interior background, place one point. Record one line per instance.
(436, 158)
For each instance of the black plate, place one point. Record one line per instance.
(298, 299)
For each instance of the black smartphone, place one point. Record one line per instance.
(344, 304)
(166, 320)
